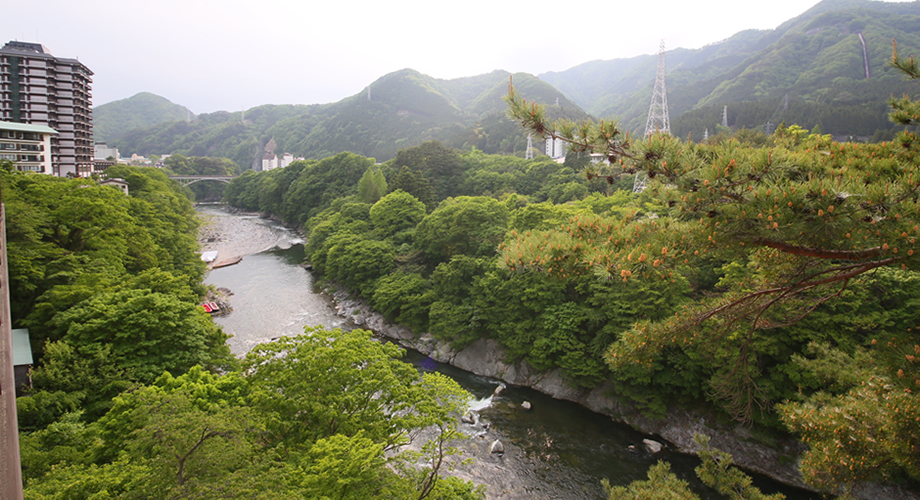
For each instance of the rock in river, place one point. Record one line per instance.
(652, 446)
(497, 447)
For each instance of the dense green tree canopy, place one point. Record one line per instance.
(800, 225)
(108, 286)
(395, 213)
(464, 225)
(442, 166)
(321, 415)
(338, 382)
(372, 186)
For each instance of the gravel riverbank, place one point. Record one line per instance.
(233, 235)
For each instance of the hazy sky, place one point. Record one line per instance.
(212, 55)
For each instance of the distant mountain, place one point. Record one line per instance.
(399, 110)
(811, 70)
(113, 119)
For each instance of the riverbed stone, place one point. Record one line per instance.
(526, 405)
(401, 333)
(496, 447)
(442, 351)
(652, 446)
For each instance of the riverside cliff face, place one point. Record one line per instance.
(486, 357)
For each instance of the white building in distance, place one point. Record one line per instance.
(271, 161)
(555, 148)
(27, 146)
(101, 151)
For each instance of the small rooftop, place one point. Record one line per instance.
(25, 127)
(25, 48)
(22, 347)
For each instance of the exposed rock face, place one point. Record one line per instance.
(487, 358)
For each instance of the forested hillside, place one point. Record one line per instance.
(810, 71)
(112, 120)
(398, 110)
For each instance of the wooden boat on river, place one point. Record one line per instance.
(225, 263)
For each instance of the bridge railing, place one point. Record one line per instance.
(186, 180)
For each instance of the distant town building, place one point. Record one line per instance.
(100, 166)
(37, 88)
(27, 146)
(271, 161)
(555, 148)
(116, 183)
(102, 151)
(599, 158)
(136, 159)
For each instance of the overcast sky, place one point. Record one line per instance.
(211, 55)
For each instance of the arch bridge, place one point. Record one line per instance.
(188, 180)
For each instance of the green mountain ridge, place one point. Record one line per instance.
(112, 120)
(815, 60)
(810, 71)
(399, 110)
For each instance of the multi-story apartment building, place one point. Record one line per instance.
(40, 89)
(27, 146)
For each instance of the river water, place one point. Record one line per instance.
(556, 450)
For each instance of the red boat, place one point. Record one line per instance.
(210, 307)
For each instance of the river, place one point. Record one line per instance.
(556, 450)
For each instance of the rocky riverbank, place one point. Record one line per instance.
(485, 357)
(233, 235)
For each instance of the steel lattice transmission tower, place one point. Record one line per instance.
(658, 120)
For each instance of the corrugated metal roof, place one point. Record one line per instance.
(22, 347)
(25, 127)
